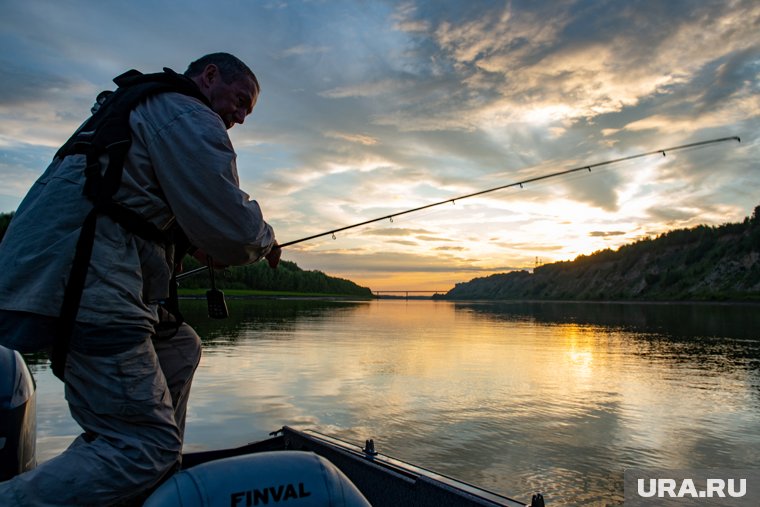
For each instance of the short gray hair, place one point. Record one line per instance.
(230, 67)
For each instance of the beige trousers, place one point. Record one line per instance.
(132, 408)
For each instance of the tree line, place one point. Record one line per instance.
(287, 277)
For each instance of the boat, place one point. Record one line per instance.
(382, 479)
(292, 466)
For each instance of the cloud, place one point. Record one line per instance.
(395, 231)
(353, 138)
(606, 234)
(303, 49)
(368, 89)
(371, 108)
(397, 262)
(540, 65)
(22, 86)
(450, 249)
(684, 123)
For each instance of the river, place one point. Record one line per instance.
(557, 398)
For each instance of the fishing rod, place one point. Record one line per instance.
(520, 184)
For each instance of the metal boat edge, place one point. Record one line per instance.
(382, 479)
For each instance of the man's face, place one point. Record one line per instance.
(233, 101)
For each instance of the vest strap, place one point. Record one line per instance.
(107, 132)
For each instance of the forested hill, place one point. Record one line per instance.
(287, 277)
(703, 263)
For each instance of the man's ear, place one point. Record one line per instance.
(209, 75)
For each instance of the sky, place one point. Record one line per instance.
(370, 108)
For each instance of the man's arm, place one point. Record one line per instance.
(195, 164)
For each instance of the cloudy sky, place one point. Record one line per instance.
(369, 108)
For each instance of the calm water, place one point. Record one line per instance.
(516, 398)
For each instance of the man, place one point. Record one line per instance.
(125, 387)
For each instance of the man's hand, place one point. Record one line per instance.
(273, 257)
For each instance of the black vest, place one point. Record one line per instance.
(107, 132)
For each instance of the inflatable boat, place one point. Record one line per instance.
(292, 467)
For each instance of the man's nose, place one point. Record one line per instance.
(240, 115)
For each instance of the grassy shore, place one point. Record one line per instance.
(246, 293)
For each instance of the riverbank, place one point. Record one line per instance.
(269, 294)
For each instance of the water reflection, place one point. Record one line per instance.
(518, 397)
(735, 320)
(711, 335)
(263, 315)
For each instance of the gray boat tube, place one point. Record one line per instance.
(295, 478)
(18, 411)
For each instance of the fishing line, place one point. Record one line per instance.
(517, 184)
(587, 167)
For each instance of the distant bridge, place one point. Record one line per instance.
(406, 293)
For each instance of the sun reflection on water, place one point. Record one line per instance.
(513, 398)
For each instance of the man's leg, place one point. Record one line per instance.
(131, 438)
(179, 357)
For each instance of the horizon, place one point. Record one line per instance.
(370, 109)
(539, 262)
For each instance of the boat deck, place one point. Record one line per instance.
(382, 479)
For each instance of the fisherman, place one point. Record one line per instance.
(126, 384)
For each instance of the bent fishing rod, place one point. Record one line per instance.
(452, 200)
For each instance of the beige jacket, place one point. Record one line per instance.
(180, 168)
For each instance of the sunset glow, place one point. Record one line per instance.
(369, 109)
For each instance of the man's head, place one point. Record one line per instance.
(228, 84)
